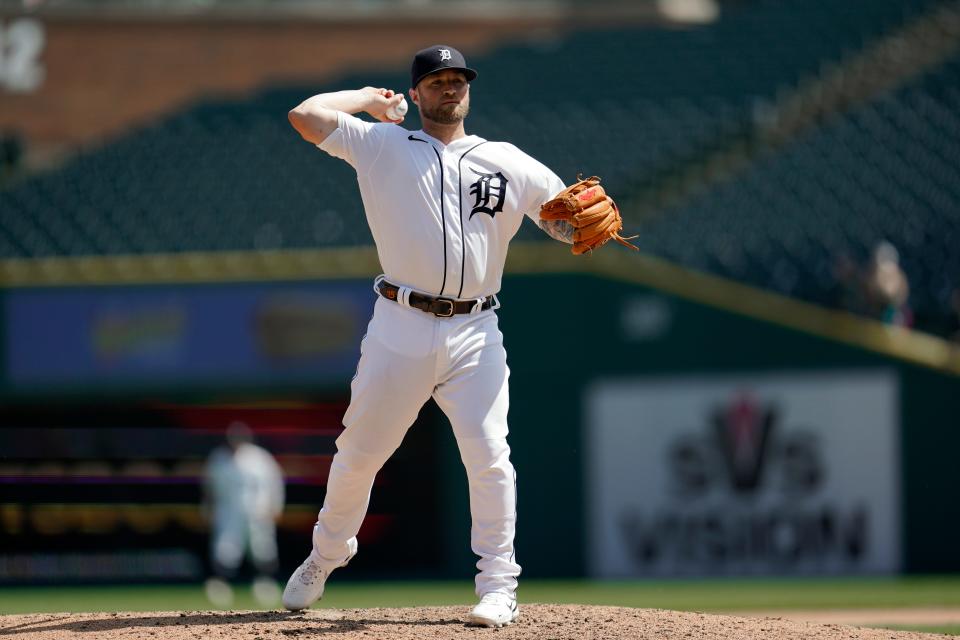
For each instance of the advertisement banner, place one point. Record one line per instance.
(743, 475)
(218, 334)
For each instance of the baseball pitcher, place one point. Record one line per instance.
(442, 206)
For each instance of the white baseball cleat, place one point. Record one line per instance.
(305, 586)
(495, 610)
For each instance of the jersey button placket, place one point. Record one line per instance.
(454, 234)
(452, 264)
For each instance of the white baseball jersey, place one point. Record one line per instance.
(247, 483)
(441, 215)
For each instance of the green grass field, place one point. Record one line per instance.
(683, 595)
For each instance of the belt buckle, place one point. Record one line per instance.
(446, 301)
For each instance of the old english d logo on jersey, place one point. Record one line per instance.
(743, 428)
(489, 189)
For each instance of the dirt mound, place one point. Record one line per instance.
(537, 622)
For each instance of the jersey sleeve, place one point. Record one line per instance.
(543, 184)
(355, 140)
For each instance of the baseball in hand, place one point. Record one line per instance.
(396, 112)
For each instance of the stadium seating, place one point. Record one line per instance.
(885, 171)
(630, 104)
(232, 176)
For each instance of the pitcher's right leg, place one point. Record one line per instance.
(395, 377)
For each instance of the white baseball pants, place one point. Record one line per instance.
(235, 533)
(406, 357)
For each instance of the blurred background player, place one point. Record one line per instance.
(243, 497)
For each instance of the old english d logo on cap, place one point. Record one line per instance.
(437, 58)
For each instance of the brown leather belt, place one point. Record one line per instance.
(438, 306)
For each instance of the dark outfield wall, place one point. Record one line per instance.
(140, 347)
(625, 331)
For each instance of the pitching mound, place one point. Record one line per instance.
(537, 622)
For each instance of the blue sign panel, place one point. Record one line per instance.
(276, 333)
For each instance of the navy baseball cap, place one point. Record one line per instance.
(437, 58)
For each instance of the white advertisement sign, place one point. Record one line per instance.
(732, 475)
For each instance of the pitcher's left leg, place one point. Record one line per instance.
(475, 398)
(493, 509)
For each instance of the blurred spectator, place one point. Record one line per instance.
(887, 288)
(243, 497)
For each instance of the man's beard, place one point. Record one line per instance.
(443, 114)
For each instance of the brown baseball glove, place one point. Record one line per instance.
(593, 214)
